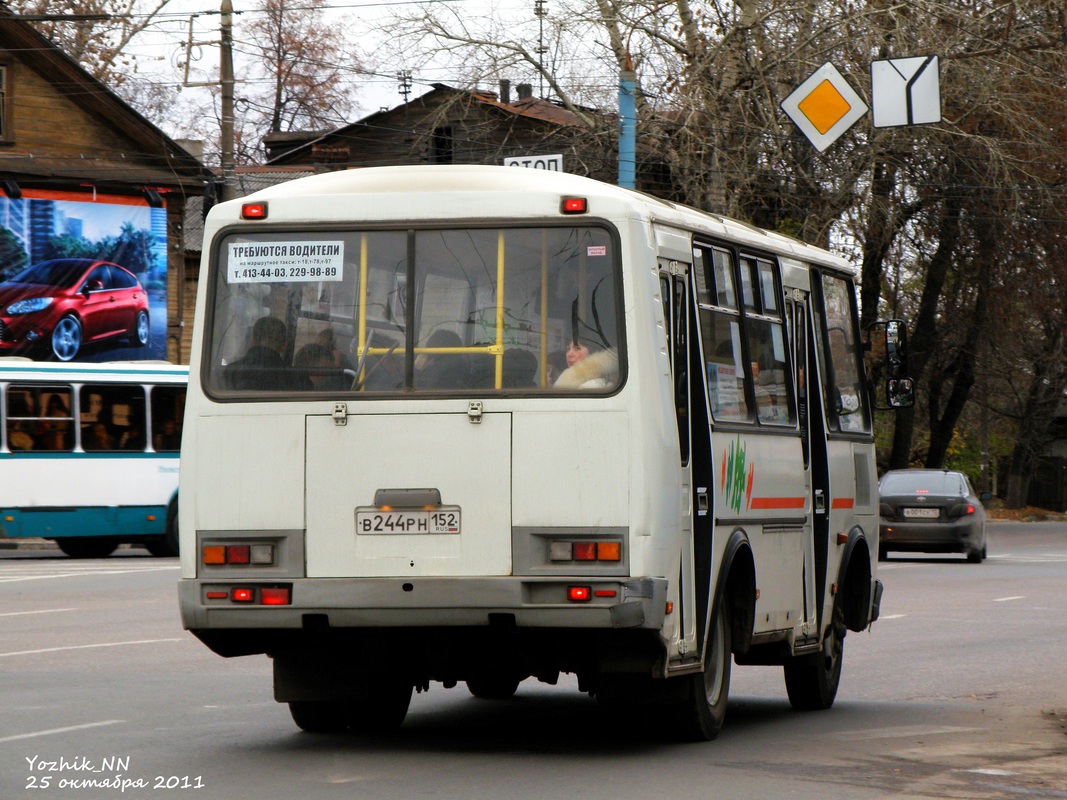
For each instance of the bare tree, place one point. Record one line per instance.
(96, 33)
(302, 69)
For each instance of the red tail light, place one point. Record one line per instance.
(578, 593)
(274, 597)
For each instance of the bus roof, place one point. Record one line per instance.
(16, 368)
(519, 193)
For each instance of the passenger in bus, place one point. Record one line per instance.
(168, 437)
(556, 364)
(99, 438)
(441, 370)
(589, 368)
(18, 437)
(262, 366)
(318, 364)
(132, 438)
(54, 430)
(519, 369)
(328, 340)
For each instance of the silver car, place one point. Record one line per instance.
(931, 511)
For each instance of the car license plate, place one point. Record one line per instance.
(922, 513)
(443, 519)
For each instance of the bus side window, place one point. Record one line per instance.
(720, 329)
(168, 408)
(112, 417)
(53, 428)
(20, 410)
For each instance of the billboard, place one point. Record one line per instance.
(83, 277)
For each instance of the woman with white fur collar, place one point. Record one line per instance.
(589, 370)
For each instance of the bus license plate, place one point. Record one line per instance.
(439, 520)
(922, 513)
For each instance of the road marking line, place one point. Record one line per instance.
(893, 616)
(42, 611)
(86, 647)
(903, 731)
(1006, 599)
(61, 730)
(83, 574)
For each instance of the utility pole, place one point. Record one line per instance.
(627, 125)
(539, 12)
(229, 173)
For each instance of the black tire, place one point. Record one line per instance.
(318, 716)
(703, 711)
(383, 710)
(974, 556)
(494, 687)
(87, 546)
(66, 338)
(812, 681)
(166, 546)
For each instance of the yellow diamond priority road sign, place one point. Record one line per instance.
(824, 106)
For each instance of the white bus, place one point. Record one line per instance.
(480, 424)
(90, 454)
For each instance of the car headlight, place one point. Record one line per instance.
(29, 306)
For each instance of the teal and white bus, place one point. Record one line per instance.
(484, 424)
(89, 454)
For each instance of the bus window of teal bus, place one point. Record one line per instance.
(39, 417)
(844, 389)
(112, 417)
(168, 410)
(22, 418)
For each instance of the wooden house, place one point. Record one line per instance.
(448, 125)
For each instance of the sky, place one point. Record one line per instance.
(161, 54)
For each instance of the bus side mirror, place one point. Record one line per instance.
(896, 348)
(900, 392)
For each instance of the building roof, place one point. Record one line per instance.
(153, 158)
(532, 109)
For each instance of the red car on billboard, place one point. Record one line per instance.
(64, 303)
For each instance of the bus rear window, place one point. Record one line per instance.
(470, 310)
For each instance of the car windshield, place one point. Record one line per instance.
(922, 483)
(59, 272)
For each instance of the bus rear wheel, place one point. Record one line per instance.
(495, 687)
(811, 681)
(318, 716)
(87, 546)
(382, 710)
(703, 711)
(167, 544)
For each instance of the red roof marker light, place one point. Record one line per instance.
(574, 205)
(254, 211)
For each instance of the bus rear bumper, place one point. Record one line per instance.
(635, 603)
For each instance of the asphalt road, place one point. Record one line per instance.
(959, 691)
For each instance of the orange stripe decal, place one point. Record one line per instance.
(842, 502)
(777, 502)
